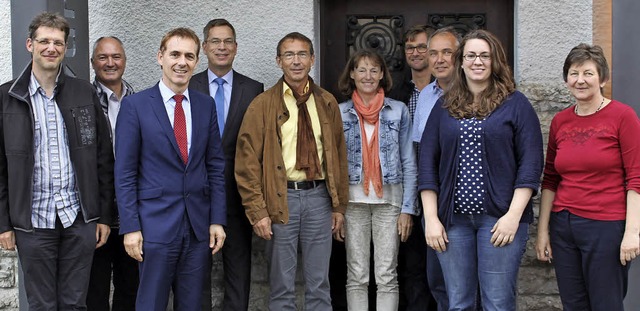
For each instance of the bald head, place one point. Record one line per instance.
(108, 60)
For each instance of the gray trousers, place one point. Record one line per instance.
(364, 223)
(309, 227)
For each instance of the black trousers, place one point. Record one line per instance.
(108, 259)
(412, 277)
(586, 257)
(57, 264)
(236, 260)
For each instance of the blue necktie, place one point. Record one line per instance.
(219, 99)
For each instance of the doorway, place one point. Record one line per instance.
(349, 25)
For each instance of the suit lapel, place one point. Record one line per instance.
(198, 117)
(234, 103)
(157, 105)
(200, 82)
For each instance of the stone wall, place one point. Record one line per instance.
(537, 288)
(8, 281)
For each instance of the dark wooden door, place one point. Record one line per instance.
(349, 25)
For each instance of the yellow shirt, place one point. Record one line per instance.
(290, 133)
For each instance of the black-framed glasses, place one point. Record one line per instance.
(471, 57)
(422, 48)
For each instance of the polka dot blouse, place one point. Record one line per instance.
(469, 194)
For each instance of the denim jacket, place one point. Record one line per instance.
(397, 156)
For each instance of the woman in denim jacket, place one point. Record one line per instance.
(480, 164)
(382, 178)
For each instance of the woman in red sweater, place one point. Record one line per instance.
(590, 208)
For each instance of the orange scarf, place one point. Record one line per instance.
(370, 150)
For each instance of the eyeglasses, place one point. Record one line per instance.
(422, 48)
(291, 55)
(226, 42)
(56, 43)
(471, 57)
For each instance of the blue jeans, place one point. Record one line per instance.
(471, 258)
(586, 257)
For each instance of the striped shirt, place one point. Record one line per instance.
(54, 186)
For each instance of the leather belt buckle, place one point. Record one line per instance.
(303, 185)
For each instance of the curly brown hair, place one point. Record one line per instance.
(458, 100)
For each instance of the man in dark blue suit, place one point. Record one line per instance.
(170, 180)
(233, 92)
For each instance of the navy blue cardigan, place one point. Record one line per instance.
(511, 155)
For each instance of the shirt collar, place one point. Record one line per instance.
(108, 91)
(414, 86)
(34, 85)
(434, 87)
(228, 77)
(167, 93)
(287, 90)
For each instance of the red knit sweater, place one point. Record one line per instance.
(593, 160)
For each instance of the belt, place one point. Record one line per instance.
(304, 185)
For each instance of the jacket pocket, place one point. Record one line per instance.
(84, 121)
(354, 152)
(390, 151)
(145, 194)
(17, 140)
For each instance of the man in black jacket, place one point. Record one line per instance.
(232, 93)
(56, 172)
(414, 292)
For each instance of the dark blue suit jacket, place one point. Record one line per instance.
(154, 188)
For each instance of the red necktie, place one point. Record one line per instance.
(180, 128)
